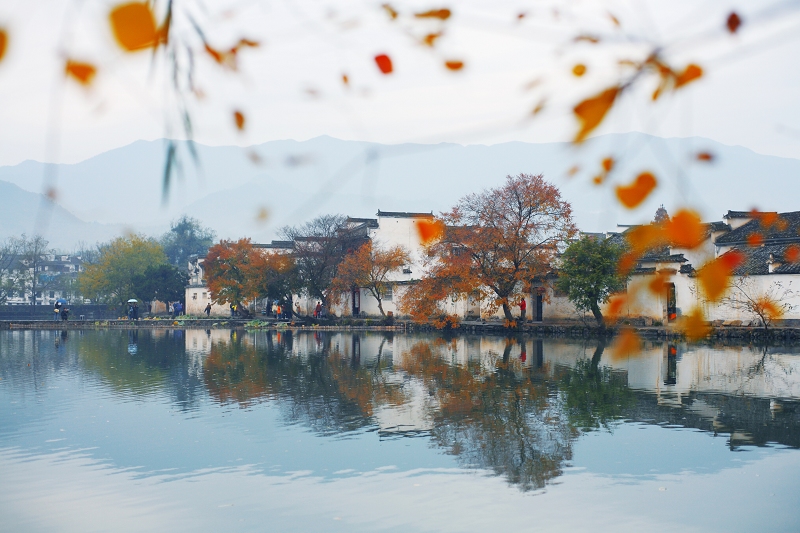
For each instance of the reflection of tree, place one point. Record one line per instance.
(158, 364)
(327, 390)
(594, 396)
(503, 421)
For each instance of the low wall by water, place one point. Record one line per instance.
(45, 312)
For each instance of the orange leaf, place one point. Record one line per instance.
(626, 343)
(733, 22)
(345, 79)
(538, 108)
(685, 230)
(430, 230)
(713, 276)
(635, 193)
(3, 43)
(390, 11)
(792, 253)
(588, 38)
(591, 111)
(573, 170)
(643, 238)
(442, 14)
(614, 19)
(134, 26)
(626, 263)
(694, 325)
(384, 63)
(238, 117)
(454, 65)
(689, 74)
(658, 285)
(768, 219)
(598, 180)
(705, 156)
(608, 164)
(430, 39)
(579, 70)
(754, 240)
(82, 72)
(616, 305)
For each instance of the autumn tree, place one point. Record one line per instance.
(589, 273)
(113, 277)
(270, 275)
(319, 247)
(369, 267)
(496, 242)
(226, 267)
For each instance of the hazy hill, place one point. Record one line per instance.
(297, 180)
(25, 212)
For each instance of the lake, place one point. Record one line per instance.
(220, 430)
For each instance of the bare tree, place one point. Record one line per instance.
(32, 254)
(9, 267)
(319, 247)
(764, 304)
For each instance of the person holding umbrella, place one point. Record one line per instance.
(60, 303)
(132, 308)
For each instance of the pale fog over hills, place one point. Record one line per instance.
(121, 190)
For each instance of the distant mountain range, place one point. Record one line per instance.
(121, 190)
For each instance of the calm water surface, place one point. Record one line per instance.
(273, 431)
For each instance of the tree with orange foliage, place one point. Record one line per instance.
(226, 268)
(270, 275)
(496, 243)
(369, 268)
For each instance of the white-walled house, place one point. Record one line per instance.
(765, 270)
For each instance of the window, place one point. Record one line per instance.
(194, 296)
(204, 296)
(52, 294)
(387, 293)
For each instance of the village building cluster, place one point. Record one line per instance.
(767, 271)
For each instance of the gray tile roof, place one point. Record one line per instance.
(787, 229)
(756, 261)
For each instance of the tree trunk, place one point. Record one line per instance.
(598, 353)
(597, 315)
(507, 310)
(380, 306)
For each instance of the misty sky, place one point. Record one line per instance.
(291, 86)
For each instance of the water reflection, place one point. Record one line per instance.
(515, 406)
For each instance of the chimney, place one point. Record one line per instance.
(773, 264)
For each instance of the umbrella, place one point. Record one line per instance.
(133, 301)
(61, 301)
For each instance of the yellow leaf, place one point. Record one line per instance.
(579, 70)
(134, 26)
(591, 111)
(454, 64)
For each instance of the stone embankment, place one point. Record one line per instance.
(538, 329)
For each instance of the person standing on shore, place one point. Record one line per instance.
(208, 310)
(522, 307)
